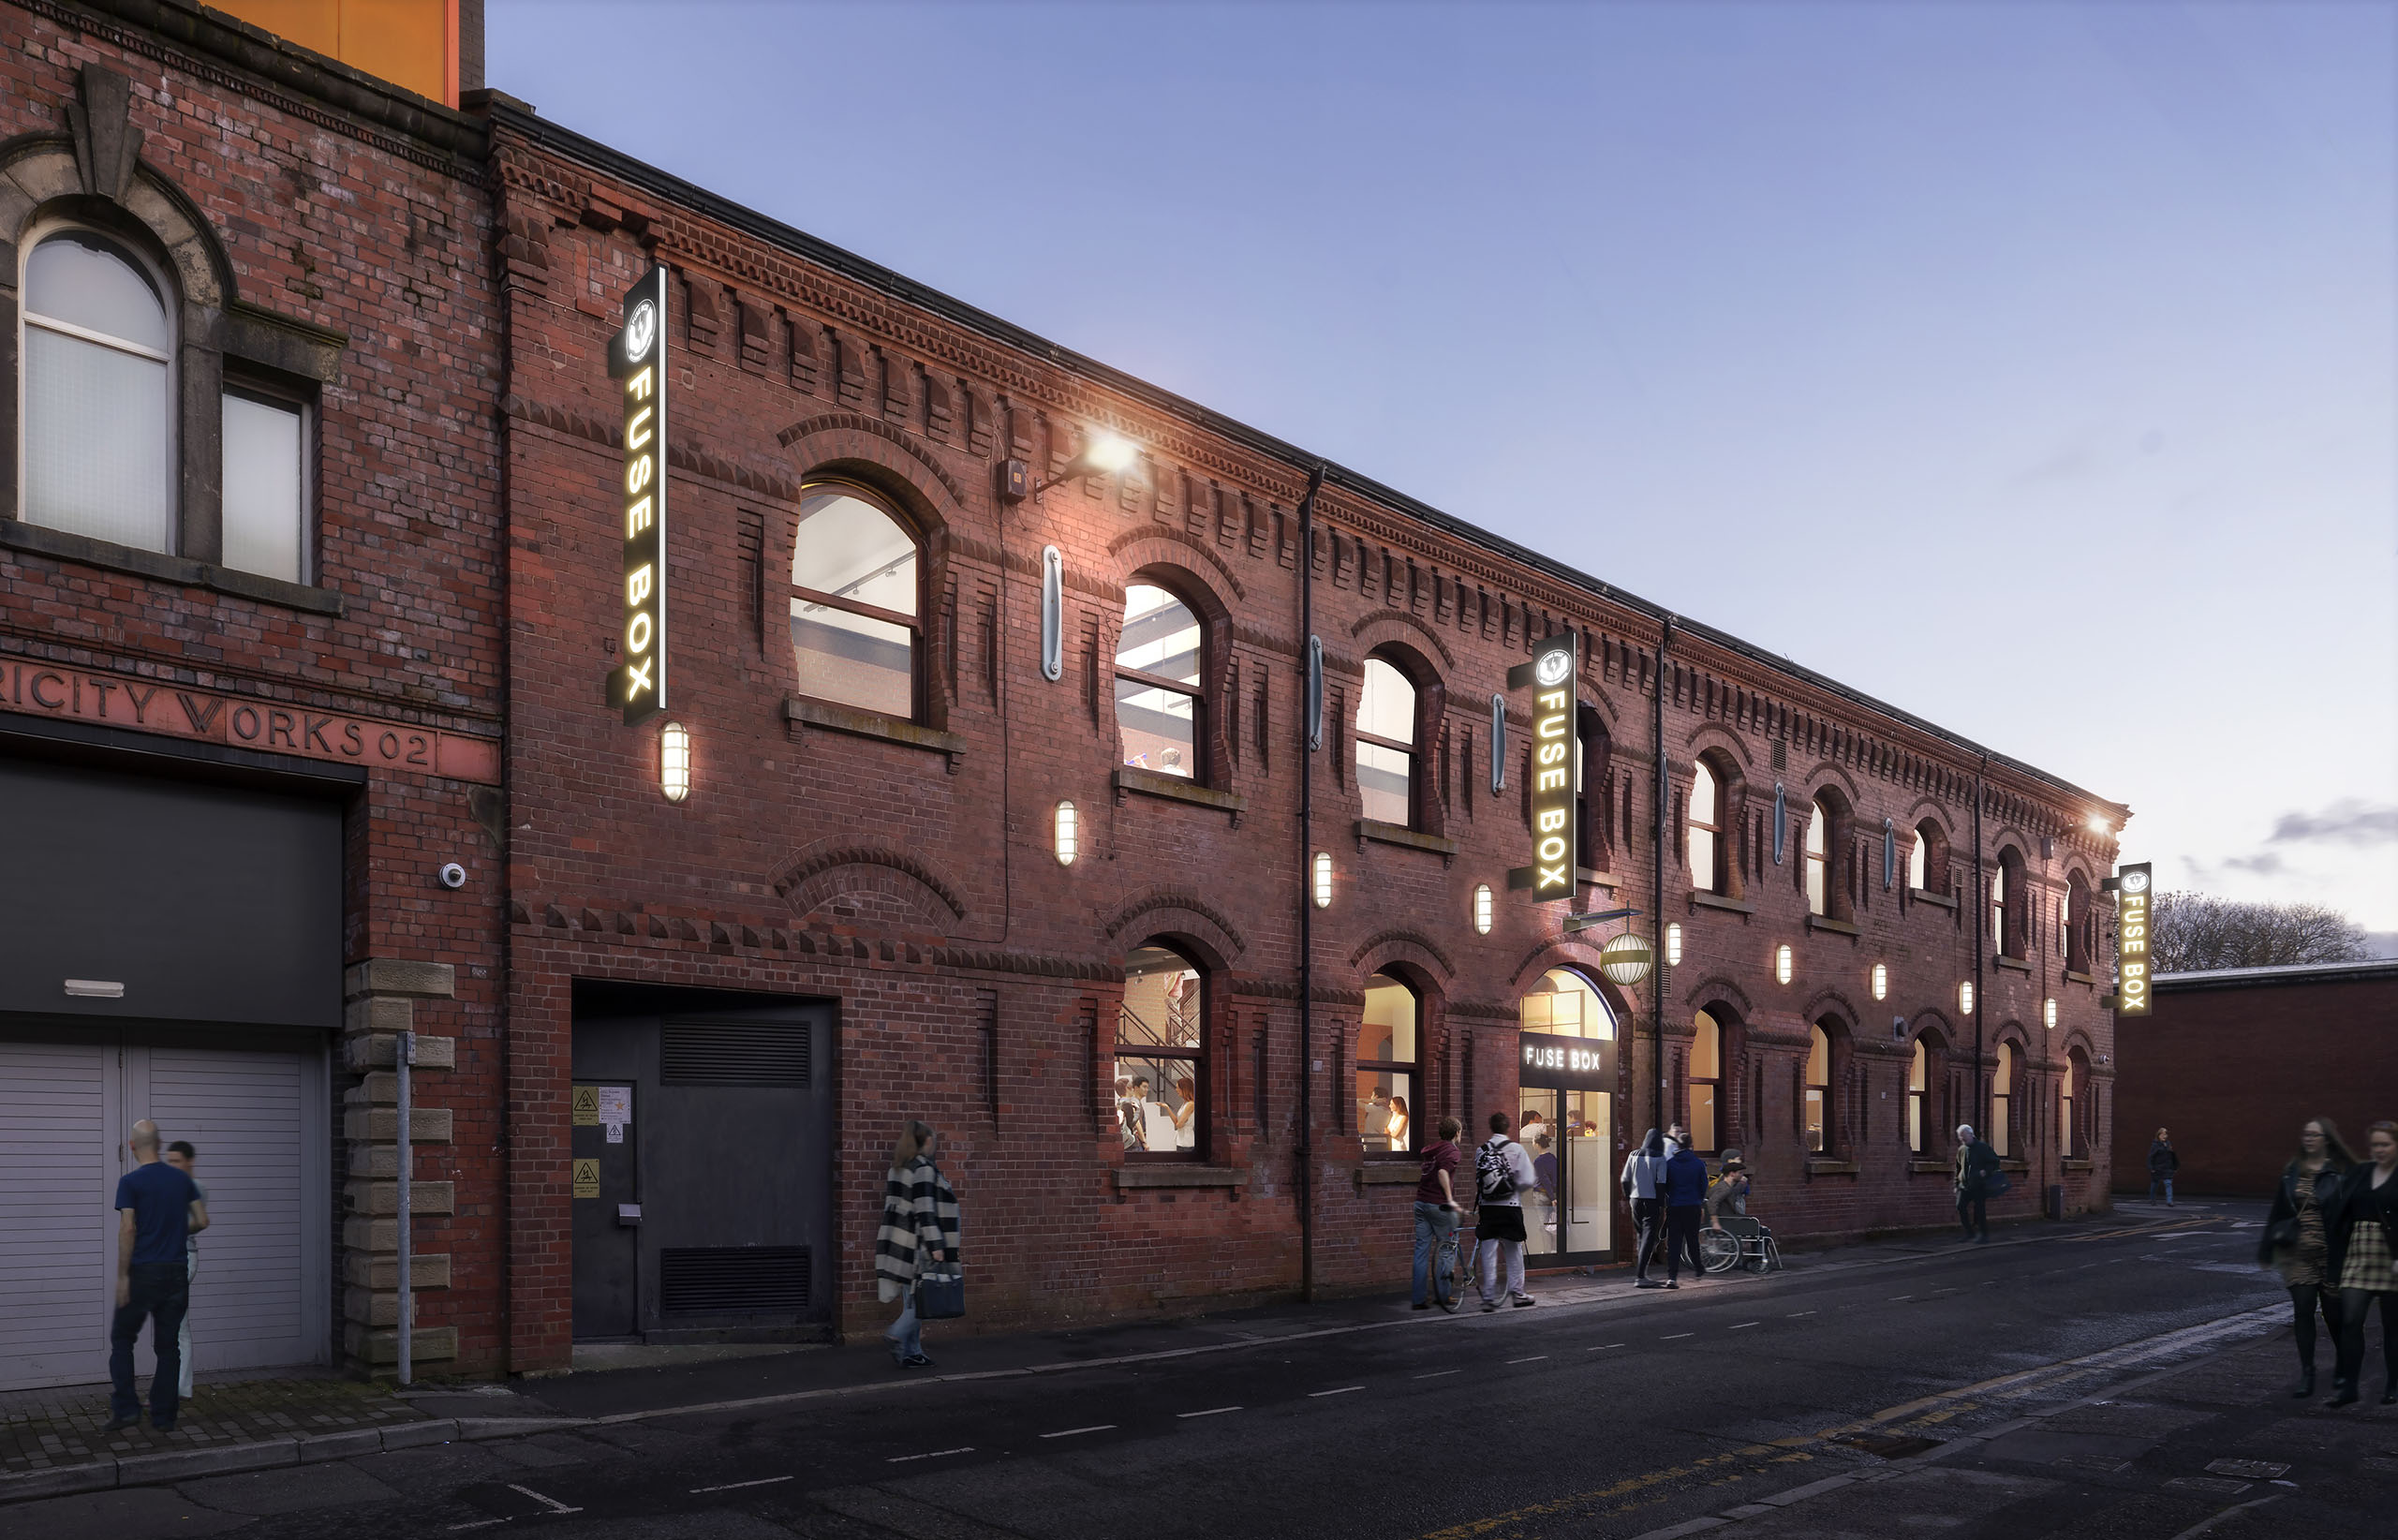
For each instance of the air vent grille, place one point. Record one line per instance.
(735, 1053)
(733, 1281)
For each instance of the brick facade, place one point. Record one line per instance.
(324, 231)
(2234, 1131)
(909, 875)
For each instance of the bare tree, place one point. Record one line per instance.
(2191, 932)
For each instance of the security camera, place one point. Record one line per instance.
(452, 875)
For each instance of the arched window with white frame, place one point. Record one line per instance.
(1388, 732)
(855, 601)
(1160, 696)
(98, 346)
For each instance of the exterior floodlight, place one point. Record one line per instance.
(674, 762)
(1781, 964)
(1106, 452)
(1067, 833)
(2098, 825)
(1102, 453)
(1482, 909)
(1323, 879)
(1674, 945)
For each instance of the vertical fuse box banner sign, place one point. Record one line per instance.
(2135, 977)
(637, 362)
(1549, 676)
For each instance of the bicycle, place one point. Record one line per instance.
(1453, 1268)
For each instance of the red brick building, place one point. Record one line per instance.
(2327, 1023)
(250, 682)
(986, 772)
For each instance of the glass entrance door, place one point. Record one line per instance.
(1569, 1215)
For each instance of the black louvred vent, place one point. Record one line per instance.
(734, 1053)
(733, 1281)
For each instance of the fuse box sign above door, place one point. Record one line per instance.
(637, 362)
(1549, 676)
(2132, 934)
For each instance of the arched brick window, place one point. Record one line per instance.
(1593, 752)
(1926, 1078)
(2073, 1099)
(2009, 903)
(1818, 1107)
(1387, 1056)
(2076, 923)
(2002, 1099)
(1397, 711)
(1705, 1093)
(1927, 859)
(1161, 1056)
(1828, 856)
(1161, 684)
(857, 601)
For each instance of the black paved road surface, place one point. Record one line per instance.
(1599, 1413)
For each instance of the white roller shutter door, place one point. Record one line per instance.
(57, 1229)
(244, 1113)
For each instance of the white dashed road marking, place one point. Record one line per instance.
(1440, 1373)
(1211, 1412)
(1746, 1324)
(550, 1503)
(1603, 1347)
(1678, 1336)
(1533, 1359)
(1069, 1432)
(762, 1481)
(901, 1460)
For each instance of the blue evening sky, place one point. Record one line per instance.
(2028, 366)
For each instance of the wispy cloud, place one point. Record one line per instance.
(2349, 822)
(2264, 864)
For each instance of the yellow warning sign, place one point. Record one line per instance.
(586, 1178)
(586, 1106)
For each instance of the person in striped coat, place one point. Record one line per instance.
(919, 1230)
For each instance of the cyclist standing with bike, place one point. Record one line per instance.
(1435, 1203)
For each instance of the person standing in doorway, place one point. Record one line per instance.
(1643, 1181)
(1436, 1204)
(1975, 1161)
(919, 1232)
(2366, 1255)
(2162, 1164)
(1502, 1174)
(1685, 1191)
(183, 1157)
(2296, 1242)
(157, 1208)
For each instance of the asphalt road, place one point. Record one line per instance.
(1600, 1412)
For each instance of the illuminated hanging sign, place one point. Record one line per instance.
(2134, 978)
(637, 362)
(1549, 676)
(1574, 1064)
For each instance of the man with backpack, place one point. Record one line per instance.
(1979, 1180)
(1502, 1175)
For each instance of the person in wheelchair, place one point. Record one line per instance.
(1727, 1197)
(1732, 1238)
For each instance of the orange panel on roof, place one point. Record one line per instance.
(411, 43)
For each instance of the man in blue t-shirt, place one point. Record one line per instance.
(157, 1206)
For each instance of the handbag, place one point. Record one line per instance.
(1997, 1185)
(941, 1297)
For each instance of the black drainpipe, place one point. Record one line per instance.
(1657, 862)
(1307, 887)
(1981, 1006)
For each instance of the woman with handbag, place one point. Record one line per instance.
(2297, 1243)
(2367, 1259)
(915, 1252)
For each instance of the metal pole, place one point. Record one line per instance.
(1657, 864)
(402, 1056)
(1981, 1108)
(1307, 889)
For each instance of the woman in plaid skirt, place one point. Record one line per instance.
(2297, 1244)
(2367, 1262)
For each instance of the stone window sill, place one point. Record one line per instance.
(2077, 1165)
(1819, 1166)
(867, 724)
(1143, 1175)
(1395, 833)
(1702, 899)
(2013, 965)
(2072, 977)
(1396, 1171)
(1932, 1168)
(1150, 783)
(1925, 895)
(2013, 1167)
(1596, 879)
(19, 536)
(1837, 927)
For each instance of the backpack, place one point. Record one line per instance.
(1493, 1182)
